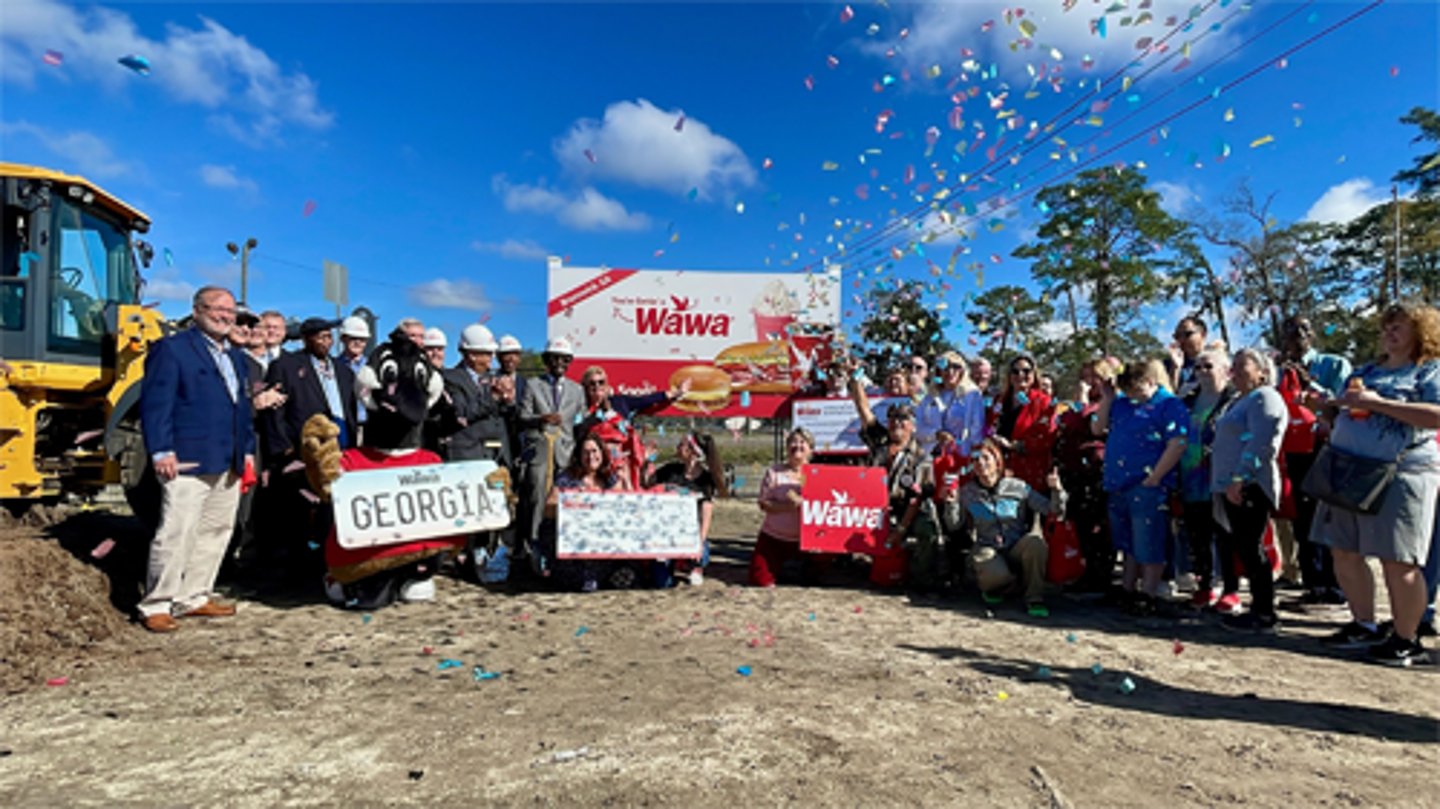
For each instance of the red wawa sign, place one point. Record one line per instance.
(845, 509)
(680, 320)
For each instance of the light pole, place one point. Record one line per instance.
(244, 253)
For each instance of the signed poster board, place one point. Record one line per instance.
(627, 525)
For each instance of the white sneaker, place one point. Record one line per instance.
(423, 590)
(1185, 582)
(697, 577)
(334, 591)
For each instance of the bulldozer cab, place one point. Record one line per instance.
(66, 263)
(72, 334)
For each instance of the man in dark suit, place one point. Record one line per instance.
(314, 383)
(196, 419)
(479, 413)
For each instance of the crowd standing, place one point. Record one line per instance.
(1202, 471)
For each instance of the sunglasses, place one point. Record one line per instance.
(596, 383)
(1204, 366)
(1181, 335)
(1022, 371)
(917, 366)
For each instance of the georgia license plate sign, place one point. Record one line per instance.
(387, 506)
(844, 509)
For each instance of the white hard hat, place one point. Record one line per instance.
(434, 338)
(559, 345)
(508, 343)
(476, 337)
(355, 327)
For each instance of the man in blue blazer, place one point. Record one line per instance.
(195, 414)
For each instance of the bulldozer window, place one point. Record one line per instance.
(94, 265)
(13, 255)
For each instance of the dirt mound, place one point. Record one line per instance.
(53, 606)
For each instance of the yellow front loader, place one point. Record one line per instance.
(73, 337)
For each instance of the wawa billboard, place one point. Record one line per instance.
(746, 341)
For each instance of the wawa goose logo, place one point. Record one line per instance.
(838, 513)
(679, 319)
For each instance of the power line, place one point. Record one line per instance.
(1018, 194)
(902, 222)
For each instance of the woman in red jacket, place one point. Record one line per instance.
(1021, 422)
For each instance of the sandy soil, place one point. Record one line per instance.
(853, 697)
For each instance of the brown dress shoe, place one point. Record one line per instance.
(211, 609)
(160, 622)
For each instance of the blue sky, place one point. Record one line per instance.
(444, 146)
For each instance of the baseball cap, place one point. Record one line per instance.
(313, 325)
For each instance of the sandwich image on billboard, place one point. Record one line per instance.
(745, 341)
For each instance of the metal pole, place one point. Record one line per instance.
(244, 273)
(1395, 201)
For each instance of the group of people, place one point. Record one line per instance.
(1200, 468)
(234, 483)
(1196, 470)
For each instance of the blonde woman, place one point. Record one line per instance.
(1390, 411)
(955, 406)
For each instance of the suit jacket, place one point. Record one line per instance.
(484, 419)
(539, 400)
(186, 407)
(297, 378)
(256, 371)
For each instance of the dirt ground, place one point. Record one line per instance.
(719, 695)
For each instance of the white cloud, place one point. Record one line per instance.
(587, 209)
(636, 143)
(1175, 198)
(167, 285)
(209, 66)
(1344, 202)
(515, 249)
(83, 152)
(936, 33)
(225, 177)
(443, 293)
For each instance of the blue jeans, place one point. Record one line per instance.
(1140, 523)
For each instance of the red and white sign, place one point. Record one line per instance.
(845, 509)
(746, 341)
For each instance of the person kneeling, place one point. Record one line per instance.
(998, 513)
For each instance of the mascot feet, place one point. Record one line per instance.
(417, 590)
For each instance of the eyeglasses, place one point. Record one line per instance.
(219, 310)
(1181, 335)
(1204, 366)
(917, 366)
(1022, 371)
(596, 383)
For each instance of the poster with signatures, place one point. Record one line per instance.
(628, 525)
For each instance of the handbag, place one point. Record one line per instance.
(1350, 481)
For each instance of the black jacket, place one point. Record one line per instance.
(484, 434)
(297, 378)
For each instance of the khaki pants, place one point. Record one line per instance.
(994, 568)
(196, 518)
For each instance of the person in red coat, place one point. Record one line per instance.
(1021, 422)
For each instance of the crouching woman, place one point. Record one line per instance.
(997, 512)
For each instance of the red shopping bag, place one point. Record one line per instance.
(1066, 563)
(1272, 549)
